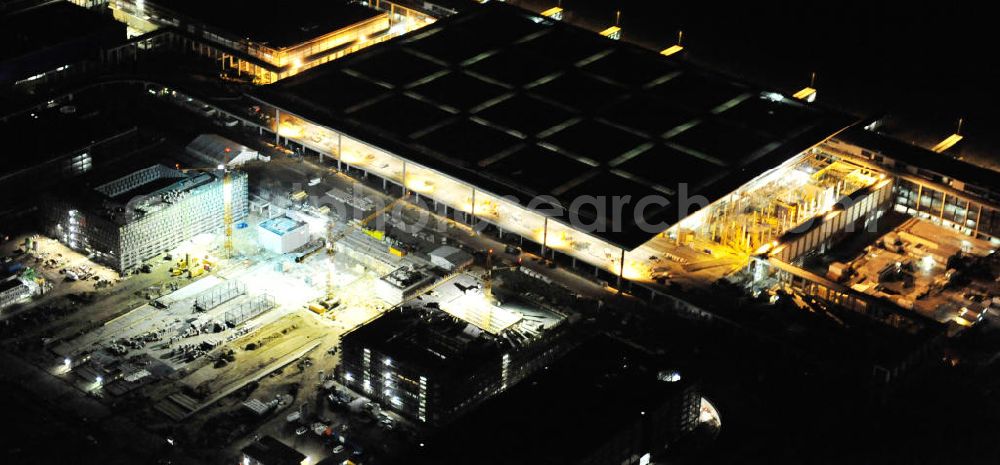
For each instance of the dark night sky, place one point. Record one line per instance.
(927, 62)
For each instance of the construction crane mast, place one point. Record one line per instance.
(227, 201)
(227, 215)
(332, 239)
(488, 277)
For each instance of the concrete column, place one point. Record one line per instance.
(277, 124)
(621, 271)
(545, 234)
(979, 216)
(965, 220)
(473, 207)
(404, 180)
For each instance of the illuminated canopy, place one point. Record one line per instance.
(517, 104)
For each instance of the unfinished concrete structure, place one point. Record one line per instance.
(139, 215)
(431, 366)
(12, 291)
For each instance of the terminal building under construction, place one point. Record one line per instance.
(614, 159)
(484, 112)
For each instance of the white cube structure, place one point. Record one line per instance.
(282, 234)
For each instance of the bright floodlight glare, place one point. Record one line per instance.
(927, 263)
(670, 376)
(222, 167)
(67, 362)
(99, 380)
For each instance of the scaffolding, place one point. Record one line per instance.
(762, 210)
(249, 309)
(219, 294)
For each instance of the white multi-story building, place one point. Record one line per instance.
(150, 211)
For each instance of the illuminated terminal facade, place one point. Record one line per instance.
(483, 112)
(138, 216)
(282, 40)
(600, 154)
(929, 185)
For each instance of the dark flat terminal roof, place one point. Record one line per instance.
(47, 25)
(46, 134)
(278, 24)
(922, 158)
(520, 105)
(564, 412)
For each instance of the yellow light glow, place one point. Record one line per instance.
(694, 220)
(487, 208)
(419, 184)
(555, 240)
(808, 94)
(766, 248)
(552, 12)
(611, 32)
(673, 49)
(289, 129)
(636, 271)
(352, 157)
(947, 143)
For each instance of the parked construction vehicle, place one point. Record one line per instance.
(192, 267)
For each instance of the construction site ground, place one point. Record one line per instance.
(197, 403)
